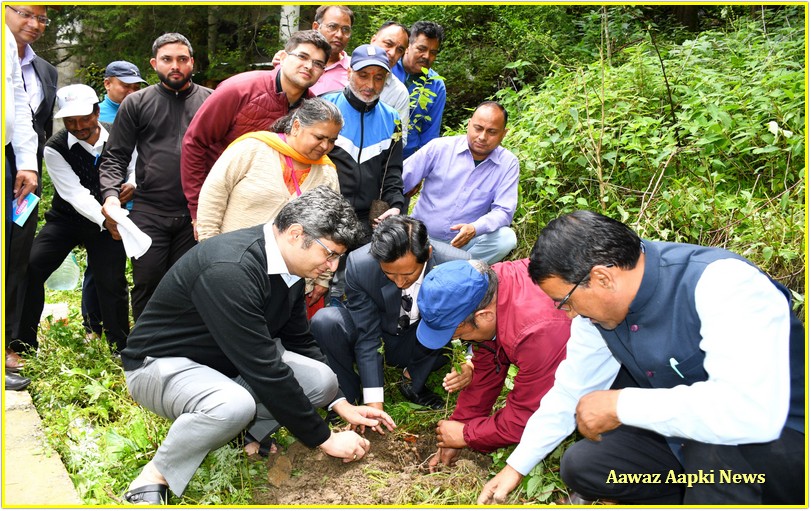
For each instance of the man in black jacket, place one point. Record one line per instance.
(154, 120)
(225, 343)
(27, 23)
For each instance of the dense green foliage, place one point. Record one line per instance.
(721, 163)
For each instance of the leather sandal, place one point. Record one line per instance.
(152, 494)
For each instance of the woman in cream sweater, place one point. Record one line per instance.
(261, 171)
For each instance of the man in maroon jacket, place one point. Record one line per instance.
(509, 320)
(246, 102)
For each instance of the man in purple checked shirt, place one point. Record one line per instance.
(470, 186)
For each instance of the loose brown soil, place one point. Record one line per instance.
(394, 472)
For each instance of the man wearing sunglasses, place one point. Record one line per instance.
(224, 345)
(250, 101)
(27, 24)
(711, 409)
(508, 321)
(382, 281)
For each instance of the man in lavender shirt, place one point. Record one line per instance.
(470, 186)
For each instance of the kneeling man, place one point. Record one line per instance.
(224, 344)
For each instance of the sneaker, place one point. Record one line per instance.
(425, 397)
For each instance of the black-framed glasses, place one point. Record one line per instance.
(559, 304)
(320, 64)
(42, 20)
(334, 27)
(331, 254)
(404, 321)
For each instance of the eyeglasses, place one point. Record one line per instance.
(331, 254)
(406, 302)
(320, 64)
(334, 27)
(42, 20)
(559, 305)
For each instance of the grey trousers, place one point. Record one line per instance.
(209, 409)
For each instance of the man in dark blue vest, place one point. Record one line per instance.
(73, 157)
(707, 362)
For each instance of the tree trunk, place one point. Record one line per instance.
(288, 22)
(687, 16)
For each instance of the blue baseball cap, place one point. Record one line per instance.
(125, 71)
(448, 294)
(369, 55)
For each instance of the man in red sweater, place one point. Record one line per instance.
(246, 102)
(509, 320)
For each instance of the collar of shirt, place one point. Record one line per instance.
(95, 149)
(276, 264)
(463, 147)
(343, 62)
(412, 291)
(28, 56)
(30, 79)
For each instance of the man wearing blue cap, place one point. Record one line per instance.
(121, 78)
(369, 150)
(510, 321)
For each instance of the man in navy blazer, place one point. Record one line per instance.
(27, 24)
(382, 282)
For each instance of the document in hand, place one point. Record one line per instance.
(21, 210)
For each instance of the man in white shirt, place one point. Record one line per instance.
(72, 157)
(393, 38)
(712, 409)
(25, 24)
(20, 155)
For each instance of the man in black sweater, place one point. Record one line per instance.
(224, 344)
(154, 120)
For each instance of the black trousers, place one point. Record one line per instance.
(91, 308)
(599, 469)
(172, 236)
(336, 333)
(104, 254)
(15, 259)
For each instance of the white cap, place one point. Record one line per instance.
(75, 100)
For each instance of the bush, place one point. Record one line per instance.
(721, 163)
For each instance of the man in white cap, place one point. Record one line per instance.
(73, 157)
(369, 150)
(121, 78)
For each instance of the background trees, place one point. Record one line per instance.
(688, 121)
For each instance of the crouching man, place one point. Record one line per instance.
(224, 345)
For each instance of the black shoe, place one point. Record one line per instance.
(16, 382)
(425, 397)
(151, 494)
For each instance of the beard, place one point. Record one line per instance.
(357, 94)
(174, 84)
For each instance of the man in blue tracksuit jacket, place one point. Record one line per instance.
(369, 151)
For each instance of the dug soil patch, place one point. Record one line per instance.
(394, 472)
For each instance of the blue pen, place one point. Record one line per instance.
(673, 364)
